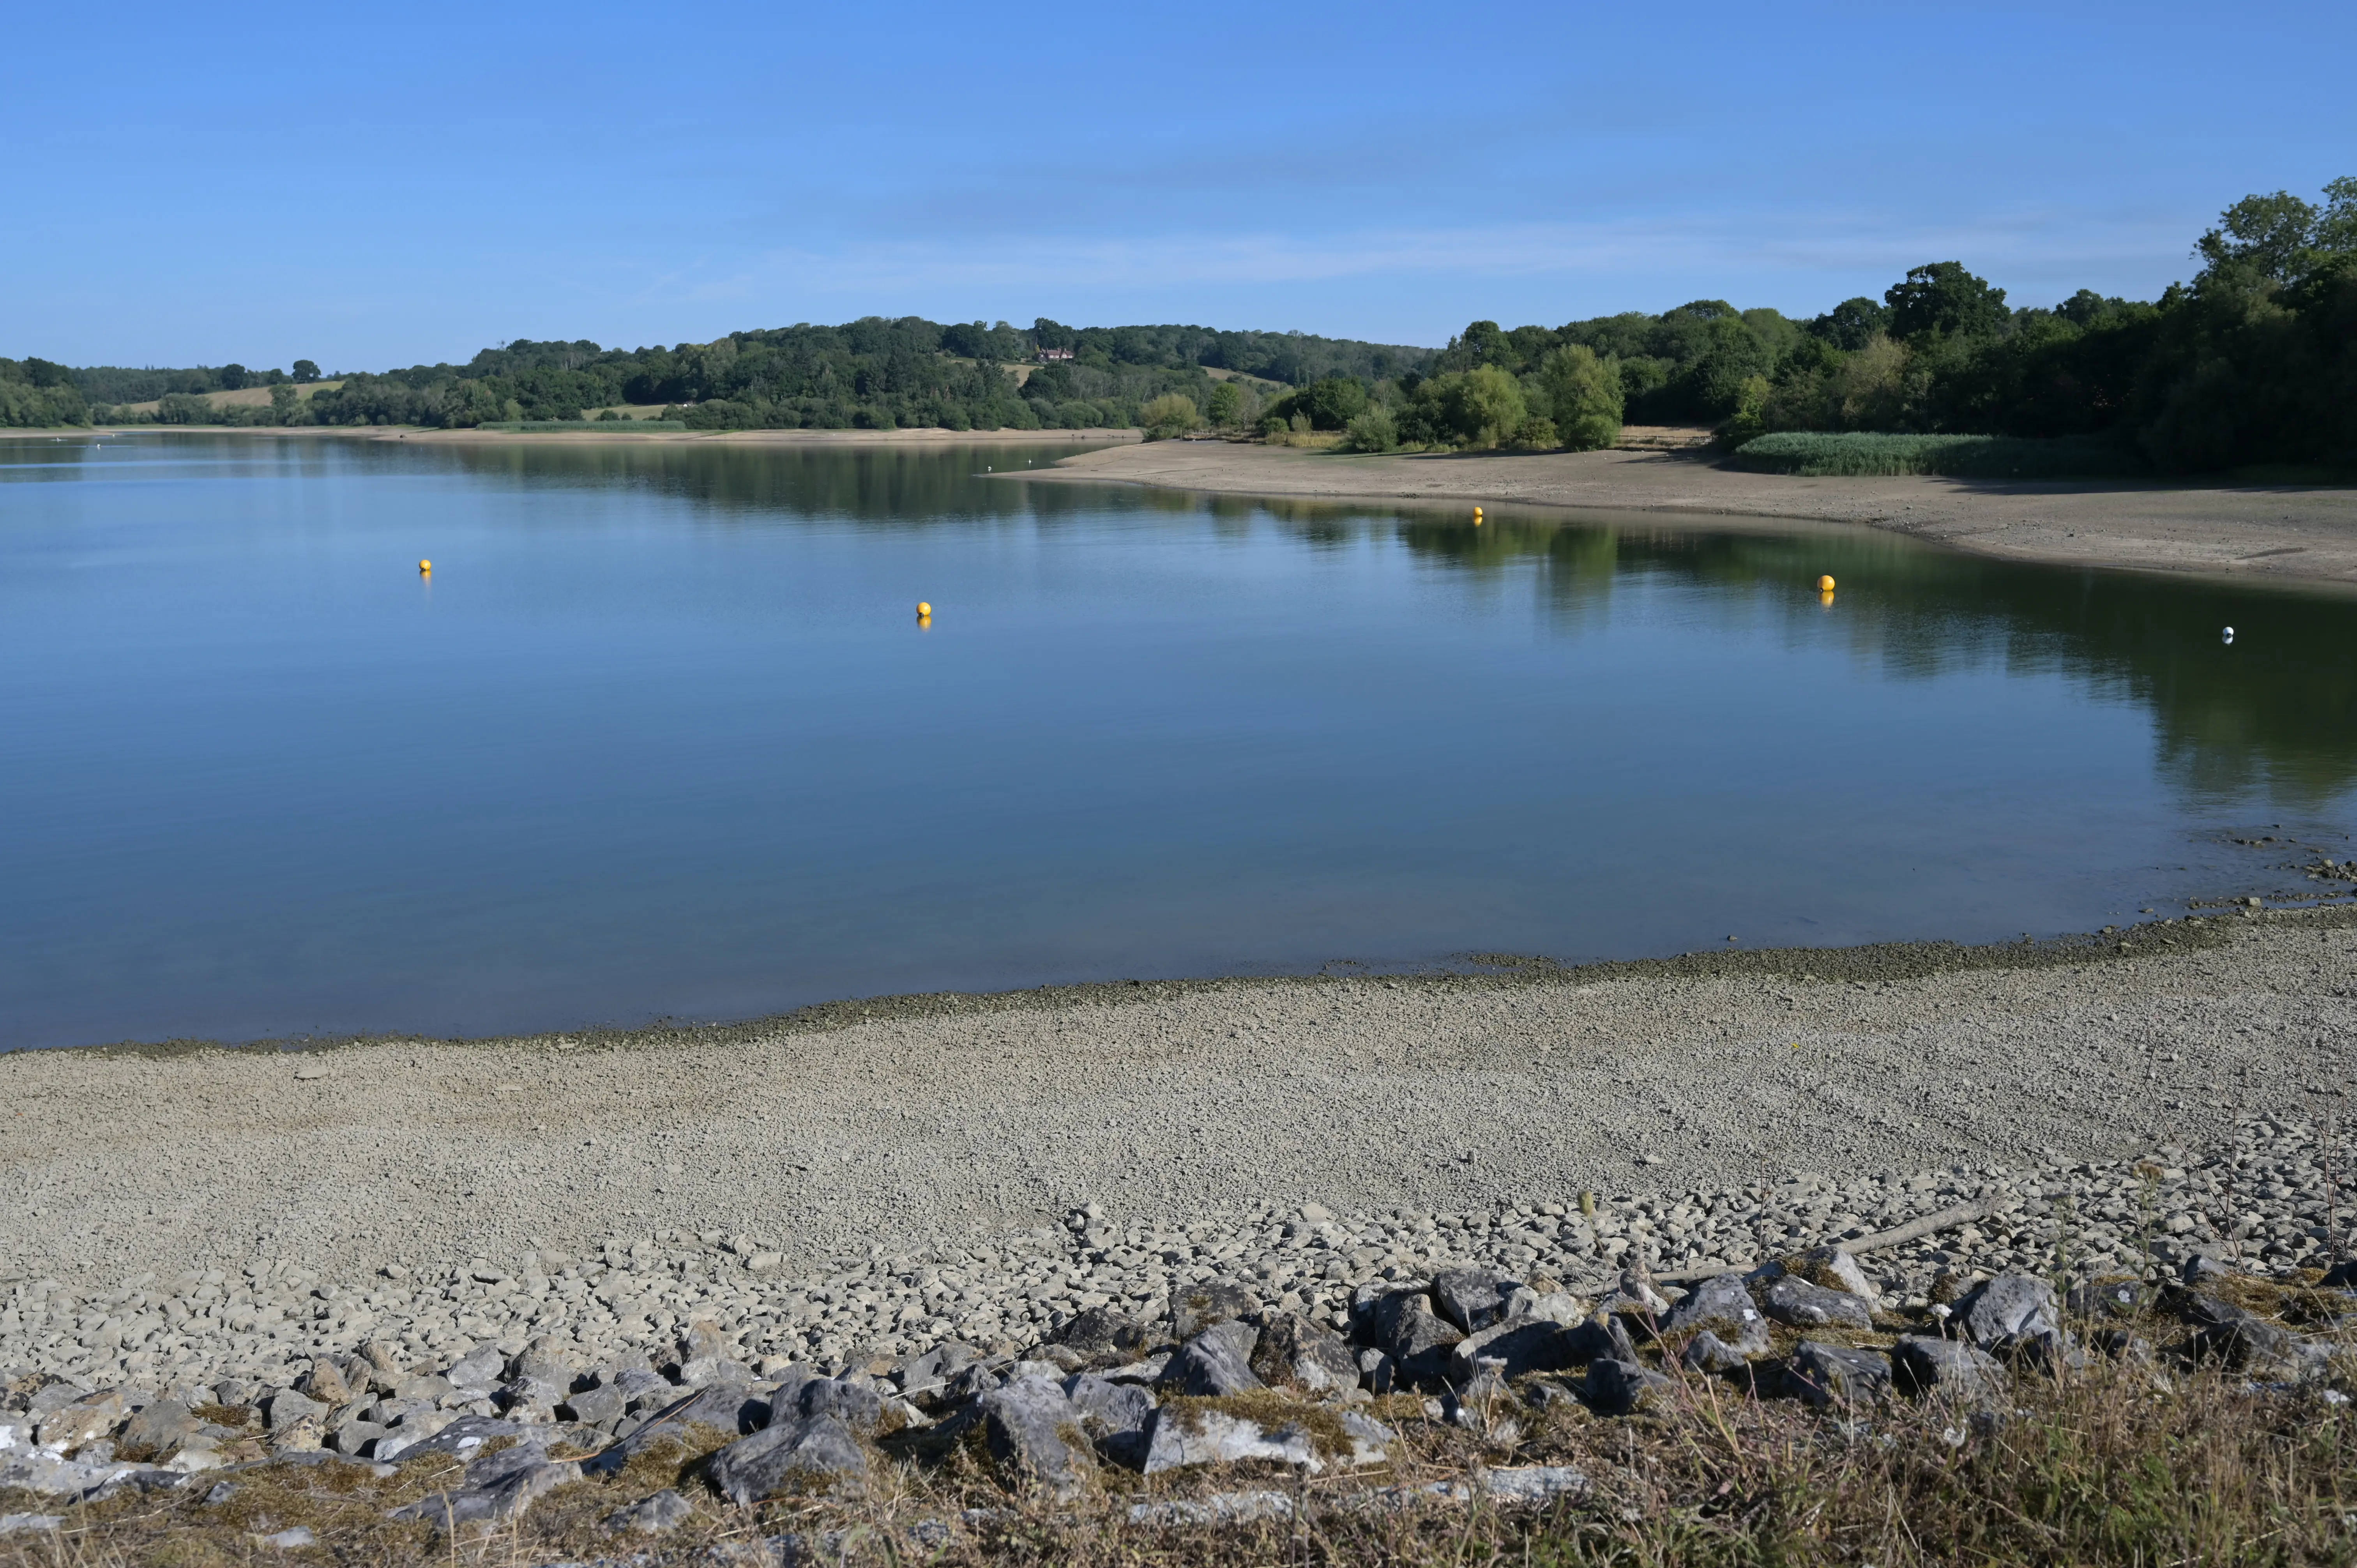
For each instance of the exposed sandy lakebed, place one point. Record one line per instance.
(898, 1124)
(2304, 533)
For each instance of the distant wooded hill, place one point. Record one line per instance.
(874, 373)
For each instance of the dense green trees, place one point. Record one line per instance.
(35, 392)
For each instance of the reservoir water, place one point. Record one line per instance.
(661, 735)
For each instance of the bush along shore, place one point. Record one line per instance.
(1600, 1371)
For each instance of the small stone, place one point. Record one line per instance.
(664, 1511)
(1029, 1427)
(156, 1432)
(1796, 1302)
(1619, 1387)
(29, 1524)
(300, 1536)
(1706, 1352)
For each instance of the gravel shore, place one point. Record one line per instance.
(871, 1177)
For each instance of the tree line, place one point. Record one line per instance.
(2253, 361)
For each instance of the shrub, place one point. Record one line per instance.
(1534, 433)
(1373, 431)
(1171, 414)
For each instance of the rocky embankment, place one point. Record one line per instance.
(1089, 1326)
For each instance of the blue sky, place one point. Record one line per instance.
(374, 187)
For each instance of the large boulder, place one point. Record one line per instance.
(1194, 1308)
(1418, 1340)
(1834, 1374)
(854, 1401)
(1296, 1353)
(1722, 1305)
(1947, 1368)
(1473, 1298)
(1036, 1437)
(1216, 1362)
(1105, 1338)
(1114, 1414)
(1194, 1434)
(1514, 1348)
(2007, 1312)
(812, 1454)
(479, 1509)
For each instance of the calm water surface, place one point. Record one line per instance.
(661, 735)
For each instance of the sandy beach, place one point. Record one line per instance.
(2274, 533)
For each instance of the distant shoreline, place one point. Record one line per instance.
(611, 430)
(2284, 534)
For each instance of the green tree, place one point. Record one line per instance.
(1333, 403)
(1171, 414)
(305, 371)
(1941, 299)
(1481, 407)
(1849, 324)
(1582, 393)
(1227, 404)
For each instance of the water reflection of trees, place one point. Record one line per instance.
(2276, 711)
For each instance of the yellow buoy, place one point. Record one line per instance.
(1825, 585)
(1476, 517)
(923, 609)
(426, 567)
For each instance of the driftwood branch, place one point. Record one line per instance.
(1913, 1230)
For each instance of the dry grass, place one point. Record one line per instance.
(2114, 1464)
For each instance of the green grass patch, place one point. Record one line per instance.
(1857, 454)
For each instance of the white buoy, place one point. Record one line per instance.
(2229, 636)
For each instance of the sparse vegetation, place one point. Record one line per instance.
(1962, 456)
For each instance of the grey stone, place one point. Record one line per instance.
(593, 1407)
(1417, 1339)
(815, 1453)
(664, 1511)
(2253, 1346)
(1794, 1302)
(58, 1395)
(1602, 1337)
(1221, 1507)
(1949, 1368)
(324, 1381)
(1375, 1370)
(2001, 1311)
(1216, 1362)
(460, 1435)
(1107, 1409)
(502, 1502)
(1186, 1436)
(723, 1408)
(299, 1536)
(29, 1524)
(1706, 1352)
(1516, 1346)
(1473, 1298)
(481, 1368)
(855, 1404)
(2119, 1298)
(157, 1431)
(1832, 1374)
(1722, 1305)
(1036, 1437)
(1534, 1483)
(1619, 1387)
(1105, 1338)
(85, 1419)
(1197, 1307)
(1296, 1353)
